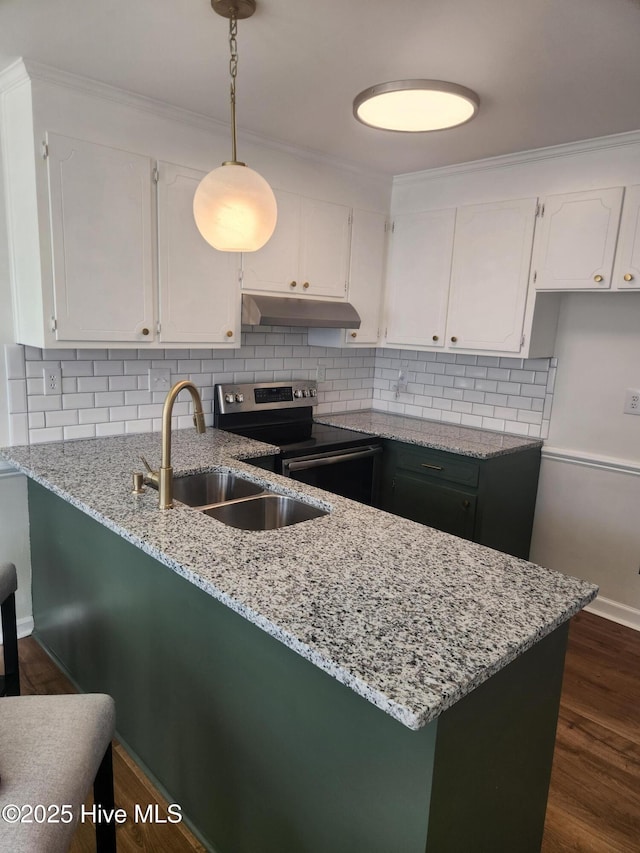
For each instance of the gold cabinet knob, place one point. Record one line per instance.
(145, 331)
(628, 277)
(435, 338)
(354, 334)
(229, 334)
(293, 284)
(597, 278)
(454, 340)
(306, 285)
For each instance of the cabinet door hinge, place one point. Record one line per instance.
(540, 210)
(155, 175)
(241, 276)
(45, 150)
(535, 276)
(350, 219)
(522, 340)
(158, 327)
(346, 286)
(53, 324)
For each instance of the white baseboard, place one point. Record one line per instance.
(621, 613)
(24, 626)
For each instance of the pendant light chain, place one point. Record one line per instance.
(233, 71)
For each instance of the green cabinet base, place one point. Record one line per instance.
(265, 752)
(489, 501)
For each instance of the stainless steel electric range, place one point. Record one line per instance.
(338, 460)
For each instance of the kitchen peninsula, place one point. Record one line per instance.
(357, 683)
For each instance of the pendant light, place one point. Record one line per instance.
(416, 106)
(234, 207)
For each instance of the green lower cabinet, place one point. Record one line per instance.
(489, 501)
(264, 752)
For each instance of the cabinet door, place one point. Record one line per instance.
(626, 270)
(434, 504)
(418, 278)
(199, 286)
(101, 215)
(325, 234)
(490, 274)
(275, 267)
(366, 274)
(577, 239)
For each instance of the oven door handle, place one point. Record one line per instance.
(303, 463)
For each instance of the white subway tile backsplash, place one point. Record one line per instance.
(105, 392)
(67, 417)
(36, 420)
(93, 416)
(78, 431)
(14, 358)
(17, 395)
(110, 429)
(39, 436)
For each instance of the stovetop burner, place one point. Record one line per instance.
(279, 414)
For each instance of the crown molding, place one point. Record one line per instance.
(25, 69)
(552, 152)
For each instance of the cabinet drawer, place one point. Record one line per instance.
(441, 466)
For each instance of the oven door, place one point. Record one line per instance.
(350, 472)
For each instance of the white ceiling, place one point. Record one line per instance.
(547, 71)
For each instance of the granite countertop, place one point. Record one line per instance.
(410, 618)
(467, 441)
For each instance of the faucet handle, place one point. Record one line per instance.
(152, 475)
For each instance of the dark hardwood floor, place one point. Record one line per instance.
(594, 801)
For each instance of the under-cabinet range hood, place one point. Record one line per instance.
(258, 310)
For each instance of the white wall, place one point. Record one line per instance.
(588, 511)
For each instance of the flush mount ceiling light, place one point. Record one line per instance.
(234, 207)
(415, 106)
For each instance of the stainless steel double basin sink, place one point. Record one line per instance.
(241, 503)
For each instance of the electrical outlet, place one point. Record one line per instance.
(632, 402)
(159, 379)
(52, 377)
(321, 373)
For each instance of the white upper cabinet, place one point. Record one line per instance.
(489, 275)
(418, 278)
(366, 274)
(576, 240)
(366, 282)
(199, 296)
(308, 254)
(101, 242)
(626, 270)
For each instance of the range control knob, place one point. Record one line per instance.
(239, 398)
(229, 398)
(297, 393)
(305, 392)
(313, 392)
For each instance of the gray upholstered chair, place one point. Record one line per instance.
(10, 681)
(52, 748)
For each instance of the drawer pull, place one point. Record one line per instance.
(433, 467)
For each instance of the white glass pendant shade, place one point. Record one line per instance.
(235, 209)
(416, 106)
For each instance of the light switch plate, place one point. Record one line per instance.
(159, 379)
